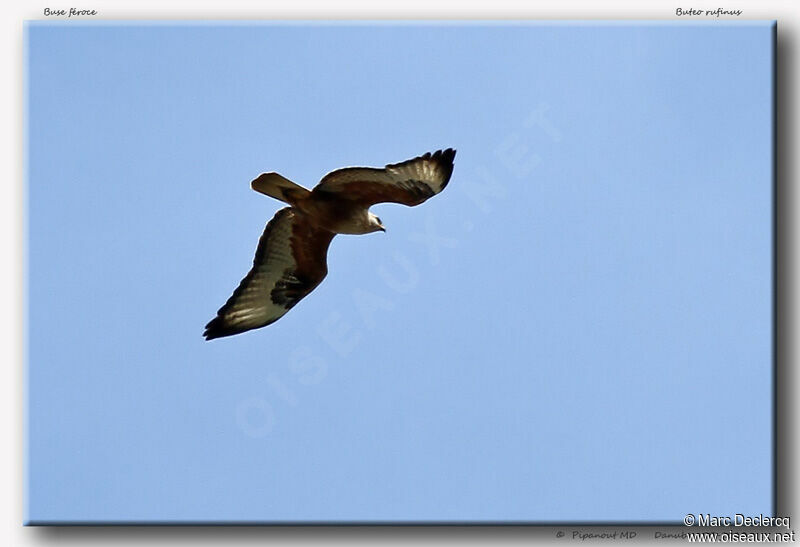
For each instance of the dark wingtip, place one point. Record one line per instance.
(442, 156)
(445, 160)
(215, 329)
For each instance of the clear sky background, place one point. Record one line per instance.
(577, 328)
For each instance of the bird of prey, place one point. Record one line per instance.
(291, 258)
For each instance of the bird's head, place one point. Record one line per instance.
(375, 223)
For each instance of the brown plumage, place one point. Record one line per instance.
(291, 258)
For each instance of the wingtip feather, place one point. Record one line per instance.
(444, 158)
(218, 328)
(214, 329)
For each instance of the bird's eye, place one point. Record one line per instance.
(379, 220)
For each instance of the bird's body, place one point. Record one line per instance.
(291, 258)
(337, 216)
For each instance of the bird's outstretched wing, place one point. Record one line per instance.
(410, 182)
(291, 260)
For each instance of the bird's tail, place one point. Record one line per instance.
(280, 188)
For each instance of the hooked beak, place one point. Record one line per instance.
(381, 228)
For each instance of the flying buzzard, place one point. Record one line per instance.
(291, 258)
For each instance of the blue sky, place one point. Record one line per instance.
(577, 328)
